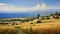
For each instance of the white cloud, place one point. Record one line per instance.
(37, 7)
(40, 7)
(9, 7)
(4, 4)
(44, 6)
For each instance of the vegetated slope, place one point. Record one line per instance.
(44, 28)
(52, 27)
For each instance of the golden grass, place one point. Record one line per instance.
(51, 26)
(6, 29)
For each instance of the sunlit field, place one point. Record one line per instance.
(51, 26)
(29, 16)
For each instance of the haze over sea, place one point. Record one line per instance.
(18, 15)
(27, 14)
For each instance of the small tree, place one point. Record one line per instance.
(38, 16)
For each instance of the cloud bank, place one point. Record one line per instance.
(10, 7)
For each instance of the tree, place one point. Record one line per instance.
(56, 13)
(38, 16)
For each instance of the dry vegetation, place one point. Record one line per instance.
(51, 26)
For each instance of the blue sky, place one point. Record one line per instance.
(28, 5)
(31, 2)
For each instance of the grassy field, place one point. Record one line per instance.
(51, 26)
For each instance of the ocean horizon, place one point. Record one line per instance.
(18, 15)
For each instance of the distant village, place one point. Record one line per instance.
(55, 15)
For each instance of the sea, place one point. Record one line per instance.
(18, 15)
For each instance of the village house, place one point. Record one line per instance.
(56, 15)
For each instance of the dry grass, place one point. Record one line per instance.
(6, 29)
(43, 28)
(51, 26)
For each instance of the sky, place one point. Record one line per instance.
(28, 5)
